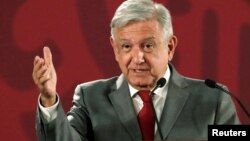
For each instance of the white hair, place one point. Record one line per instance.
(141, 10)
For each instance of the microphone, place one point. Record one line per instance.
(160, 83)
(213, 84)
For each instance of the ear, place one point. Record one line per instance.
(113, 44)
(171, 47)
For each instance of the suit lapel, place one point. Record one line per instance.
(175, 101)
(122, 103)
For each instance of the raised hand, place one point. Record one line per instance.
(44, 76)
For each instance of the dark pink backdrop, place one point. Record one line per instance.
(214, 42)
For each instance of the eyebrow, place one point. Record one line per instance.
(148, 38)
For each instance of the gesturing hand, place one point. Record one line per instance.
(44, 76)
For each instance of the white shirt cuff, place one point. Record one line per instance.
(49, 113)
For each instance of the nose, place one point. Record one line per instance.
(138, 56)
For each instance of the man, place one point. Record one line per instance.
(143, 42)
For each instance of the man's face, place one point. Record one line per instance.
(142, 52)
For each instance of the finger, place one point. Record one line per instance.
(44, 77)
(36, 59)
(38, 64)
(39, 68)
(39, 74)
(47, 55)
(42, 72)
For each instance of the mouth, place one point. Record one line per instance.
(140, 71)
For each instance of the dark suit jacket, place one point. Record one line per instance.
(103, 111)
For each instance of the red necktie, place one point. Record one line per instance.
(146, 116)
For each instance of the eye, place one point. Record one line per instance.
(126, 47)
(148, 47)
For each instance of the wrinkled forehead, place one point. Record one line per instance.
(147, 28)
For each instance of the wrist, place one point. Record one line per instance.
(48, 101)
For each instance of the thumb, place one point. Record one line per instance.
(47, 55)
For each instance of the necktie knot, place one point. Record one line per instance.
(145, 95)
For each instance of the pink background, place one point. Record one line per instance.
(214, 42)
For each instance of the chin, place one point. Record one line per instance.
(142, 83)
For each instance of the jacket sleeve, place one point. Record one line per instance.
(59, 129)
(71, 127)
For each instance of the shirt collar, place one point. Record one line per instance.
(158, 91)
